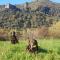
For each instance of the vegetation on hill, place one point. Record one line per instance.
(40, 20)
(14, 17)
(19, 19)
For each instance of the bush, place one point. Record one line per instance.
(54, 30)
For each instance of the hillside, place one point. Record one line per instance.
(34, 14)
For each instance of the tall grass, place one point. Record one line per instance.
(49, 50)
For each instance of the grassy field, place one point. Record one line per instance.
(49, 50)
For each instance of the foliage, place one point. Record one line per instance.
(54, 30)
(49, 50)
(18, 19)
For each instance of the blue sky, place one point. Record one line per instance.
(20, 1)
(14, 1)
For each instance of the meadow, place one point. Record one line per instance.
(49, 49)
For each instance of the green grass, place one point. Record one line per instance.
(50, 50)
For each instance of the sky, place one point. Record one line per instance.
(20, 1)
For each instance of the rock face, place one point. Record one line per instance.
(41, 0)
(8, 6)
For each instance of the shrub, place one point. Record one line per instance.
(54, 30)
